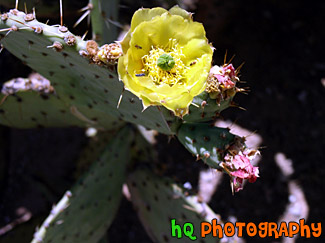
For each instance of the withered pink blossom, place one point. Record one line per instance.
(226, 75)
(239, 167)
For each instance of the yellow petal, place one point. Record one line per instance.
(145, 14)
(197, 75)
(181, 103)
(194, 49)
(125, 76)
(176, 10)
(141, 15)
(160, 29)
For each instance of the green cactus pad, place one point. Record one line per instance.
(104, 239)
(23, 106)
(93, 90)
(206, 142)
(206, 109)
(85, 213)
(104, 16)
(92, 150)
(158, 200)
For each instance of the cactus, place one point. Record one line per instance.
(104, 240)
(166, 84)
(94, 199)
(96, 145)
(19, 97)
(78, 91)
(159, 200)
(104, 20)
(205, 109)
(93, 90)
(206, 142)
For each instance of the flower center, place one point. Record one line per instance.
(165, 62)
(164, 65)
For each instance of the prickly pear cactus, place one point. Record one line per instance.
(169, 75)
(32, 102)
(92, 89)
(104, 16)
(218, 95)
(168, 85)
(93, 201)
(205, 109)
(206, 142)
(96, 145)
(159, 200)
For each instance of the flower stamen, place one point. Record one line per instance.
(164, 65)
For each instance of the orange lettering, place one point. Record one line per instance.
(228, 232)
(251, 229)
(304, 228)
(273, 228)
(318, 229)
(205, 230)
(216, 227)
(263, 229)
(283, 229)
(239, 226)
(292, 231)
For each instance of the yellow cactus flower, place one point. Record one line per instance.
(166, 58)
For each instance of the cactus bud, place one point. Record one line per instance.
(221, 82)
(109, 54)
(70, 40)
